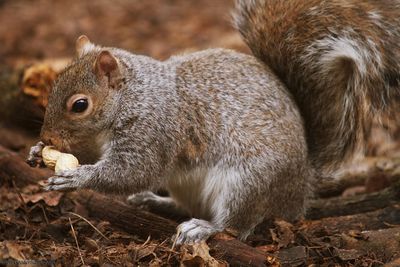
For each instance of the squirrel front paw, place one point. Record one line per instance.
(35, 155)
(195, 230)
(68, 180)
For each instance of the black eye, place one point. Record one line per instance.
(80, 105)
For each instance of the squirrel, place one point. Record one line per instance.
(235, 139)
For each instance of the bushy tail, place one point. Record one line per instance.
(339, 60)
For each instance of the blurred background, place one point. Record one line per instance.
(48, 29)
(44, 31)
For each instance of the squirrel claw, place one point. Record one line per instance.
(56, 188)
(60, 184)
(68, 180)
(31, 162)
(57, 183)
(194, 231)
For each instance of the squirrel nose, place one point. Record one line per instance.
(47, 139)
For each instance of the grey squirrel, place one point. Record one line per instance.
(235, 139)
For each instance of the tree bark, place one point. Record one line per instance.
(141, 223)
(374, 220)
(339, 206)
(14, 168)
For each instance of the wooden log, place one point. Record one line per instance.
(373, 180)
(17, 139)
(334, 187)
(379, 219)
(339, 206)
(383, 244)
(13, 167)
(141, 223)
(125, 216)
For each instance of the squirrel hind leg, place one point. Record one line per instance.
(154, 203)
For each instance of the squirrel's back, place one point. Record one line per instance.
(340, 59)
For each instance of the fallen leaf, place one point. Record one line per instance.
(155, 263)
(295, 256)
(50, 198)
(283, 235)
(357, 235)
(198, 254)
(268, 248)
(9, 200)
(144, 251)
(91, 245)
(273, 261)
(347, 254)
(37, 81)
(18, 251)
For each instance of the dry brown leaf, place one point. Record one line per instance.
(3, 251)
(18, 251)
(273, 261)
(198, 254)
(156, 263)
(91, 245)
(144, 251)
(8, 199)
(51, 198)
(295, 256)
(30, 189)
(37, 81)
(283, 235)
(268, 248)
(357, 235)
(347, 254)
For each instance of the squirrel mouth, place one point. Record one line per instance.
(63, 145)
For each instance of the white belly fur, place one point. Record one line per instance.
(201, 190)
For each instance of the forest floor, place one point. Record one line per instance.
(353, 221)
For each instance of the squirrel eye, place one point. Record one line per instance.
(80, 105)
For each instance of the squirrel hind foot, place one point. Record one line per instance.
(195, 230)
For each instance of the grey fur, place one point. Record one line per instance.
(215, 128)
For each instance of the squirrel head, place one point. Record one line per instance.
(82, 104)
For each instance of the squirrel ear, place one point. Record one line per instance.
(83, 45)
(106, 66)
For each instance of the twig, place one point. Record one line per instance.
(44, 214)
(144, 244)
(76, 241)
(173, 244)
(21, 199)
(86, 220)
